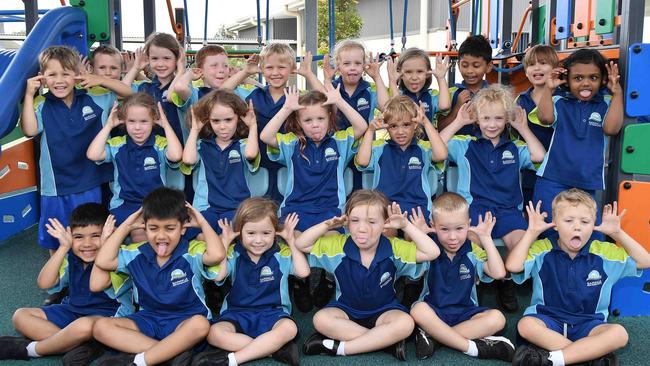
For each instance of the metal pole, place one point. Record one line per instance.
(205, 24)
(114, 9)
(311, 29)
(149, 7)
(31, 14)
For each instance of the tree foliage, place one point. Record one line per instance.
(348, 22)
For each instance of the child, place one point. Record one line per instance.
(67, 327)
(448, 309)
(68, 118)
(412, 77)
(366, 315)
(401, 165)
(167, 272)
(255, 319)
(573, 277)
(140, 159)
(106, 61)
(538, 62)
(581, 119)
(474, 62)
(222, 159)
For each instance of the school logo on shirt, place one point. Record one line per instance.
(415, 163)
(88, 113)
(362, 104)
(164, 96)
(507, 158)
(178, 277)
(234, 157)
(385, 279)
(266, 274)
(149, 163)
(425, 105)
(330, 154)
(464, 272)
(595, 120)
(594, 278)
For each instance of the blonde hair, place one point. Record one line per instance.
(348, 44)
(449, 202)
(493, 94)
(367, 197)
(539, 53)
(281, 49)
(399, 105)
(255, 209)
(68, 57)
(574, 197)
(141, 99)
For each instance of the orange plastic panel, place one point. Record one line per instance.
(17, 165)
(635, 198)
(581, 18)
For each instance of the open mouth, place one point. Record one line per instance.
(161, 248)
(575, 242)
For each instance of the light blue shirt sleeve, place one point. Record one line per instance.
(231, 264)
(457, 147)
(125, 255)
(327, 253)
(478, 257)
(64, 277)
(377, 150)
(434, 102)
(104, 99)
(346, 144)
(38, 110)
(254, 165)
(242, 92)
(525, 161)
(534, 260)
(286, 145)
(373, 105)
(404, 254)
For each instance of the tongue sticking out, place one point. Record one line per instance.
(575, 242)
(161, 249)
(585, 93)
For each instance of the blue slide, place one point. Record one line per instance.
(60, 26)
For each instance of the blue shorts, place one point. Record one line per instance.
(212, 215)
(155, 325)
(458, 315)
(573, 332)
(253, 323)
(366, 319)
(508, 219)
(60, 207)
(123, 211)
(64, 314)
(308, 220)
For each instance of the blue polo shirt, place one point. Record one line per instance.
(159, 93)
(576, 154)
(574, 290)
(139, 169)
(455, 91)
(315, 175)
(66, 135)
(265, 109)
(176, 288)
(361, 291)
(221, 176)
(489, 174)
(115, 299)
(262, 285)
(450, 284)
(402, 175)
(429, 99)
(363, 100)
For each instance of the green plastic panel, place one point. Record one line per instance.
(98, 19)
(636, 149)
(605, 13)
(541, 26)
(12, 136)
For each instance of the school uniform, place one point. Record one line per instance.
(429, 99)
(455, 92)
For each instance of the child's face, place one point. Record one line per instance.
(108, 66)
(59, 81)
(414, 74)
(223, 121)
(350, 65)
(451, 229)
(257, 237)
(314, 121)
(366, 224)
(473, 69)
(162, 62)
(538, 72)
(163, 235)
(139, 123)
(276, 70)
(86, 241)
(584, 80)
(402, 130)
(574, 225)
(215, 70)
(492, 121)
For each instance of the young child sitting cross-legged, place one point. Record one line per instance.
(573, 275)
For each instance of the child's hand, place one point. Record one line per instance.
(373, 66)
(328, 71)
(197, 124)
(421, 116)
(196, 218)
(396, 218)
(336, 222)
(304, 68)
(463, 114)
(536, 218)
(88, 81)
(252, 65)
(418, 220)
(291, 95)
(333, 95)
(128, 59)
(250, 119)
(61, 233)
(288, 229)
(34, 84)
(611, 222)
(613, 78)
(553, 81)
(86, 67)
(162, 120)
(109, 227)
(441, 68)
(181, 62)
(228, 234)
(520, 120)
(134, 221)
(141, 60)
(393, 74)
(464, 96)
(113, 120)
(484, 227)
(377, 124)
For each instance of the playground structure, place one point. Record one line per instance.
(613, 27)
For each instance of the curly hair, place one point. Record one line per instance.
(227, 98)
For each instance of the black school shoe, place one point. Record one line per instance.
(507, 295)
(119, 359)
(609, 359)
(56, 297)
(499, 348)
(324, 291)
(83, 354)
(301, 294)
(14, 348)
(314, 346)
(425, 345)
(530, 355)
(289, 354)
(211, 357)
(397, 350)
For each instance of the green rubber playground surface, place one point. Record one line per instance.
(21, 259)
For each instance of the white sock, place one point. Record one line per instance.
(231, 359)
(139, 360)
(341, 350)
(31, 350)
(471, 349)
(557, 357)
(328, 343)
